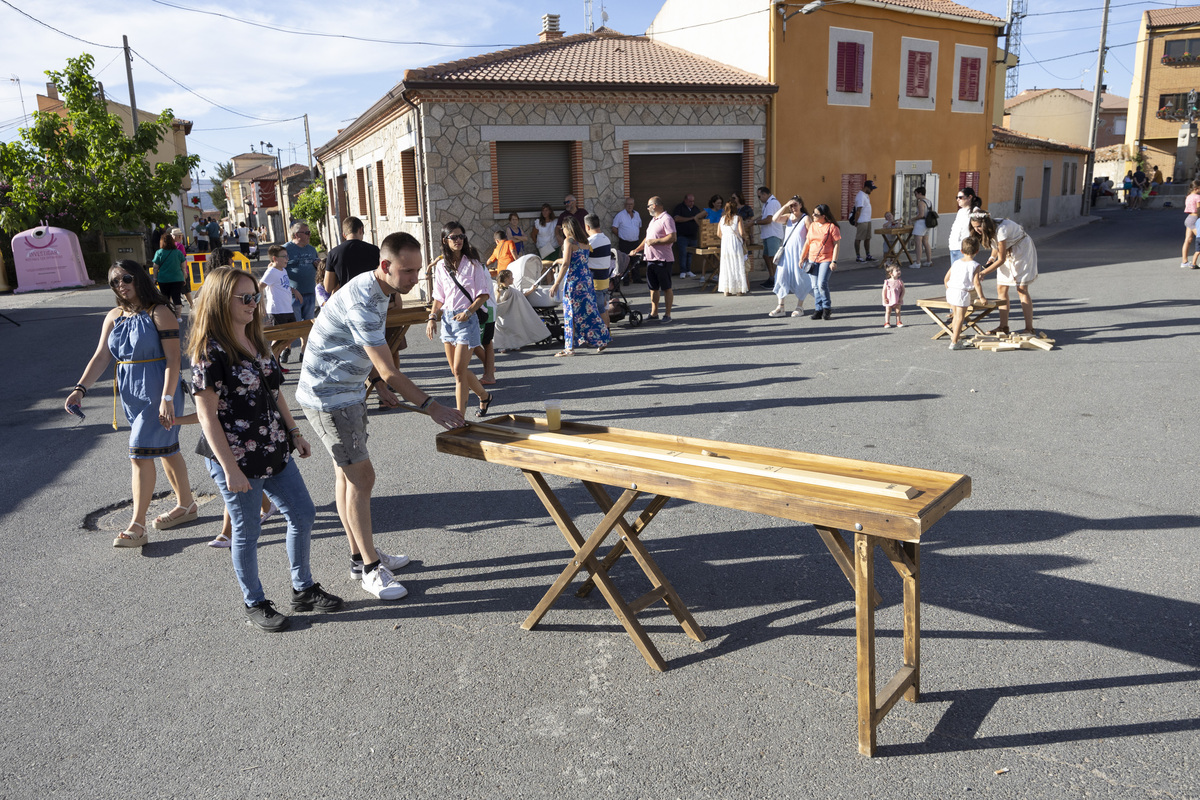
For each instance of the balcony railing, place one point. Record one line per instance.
(1185, 60)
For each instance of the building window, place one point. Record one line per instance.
(969, 180)
(379, 188)
(1119, 126)
(849, 76)
(970, 87)
(968, 79)
(919, 64)
(527, 174)
(1173, 106)
(852, 184)
(408, 182)
(850, 67)
(1177, 48)
(362, 191)
(1018, 190)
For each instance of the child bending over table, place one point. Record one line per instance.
(960, 278)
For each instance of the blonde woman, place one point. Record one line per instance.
(248, 435)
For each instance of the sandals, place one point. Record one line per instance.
(220, 541)
(562, 353)
(485, 404)
(127, 539)
(601, 349)
(169, 520)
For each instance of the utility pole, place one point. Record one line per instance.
(1086, 206)
(129, 76)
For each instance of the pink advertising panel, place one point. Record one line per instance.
(48, 258)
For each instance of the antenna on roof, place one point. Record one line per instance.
(588, 27)
(1012, 44)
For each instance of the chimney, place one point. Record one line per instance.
(51, 91)
(549, 28)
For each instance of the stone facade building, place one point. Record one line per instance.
(599, 115)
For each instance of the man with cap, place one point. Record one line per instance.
(862, 221)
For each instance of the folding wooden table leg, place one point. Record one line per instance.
(842, 555)
(943, 327)
(605, 502)
(912, 620)
(864, 625)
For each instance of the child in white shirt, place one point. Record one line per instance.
(278, 291)
(960, 278)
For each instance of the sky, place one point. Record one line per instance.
(243, 73)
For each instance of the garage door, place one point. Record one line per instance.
(673, 175)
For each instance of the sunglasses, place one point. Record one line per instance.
(248, 299)
(456, 237)
(115, 282)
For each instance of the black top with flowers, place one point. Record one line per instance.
(249, 417)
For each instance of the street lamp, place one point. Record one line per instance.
(281, 191)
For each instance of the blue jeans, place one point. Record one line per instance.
(821, 286)
(685, 256)
(289, 494)
(955, 255)
(305, 310)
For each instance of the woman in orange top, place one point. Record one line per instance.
(820, 251)
(504, 254)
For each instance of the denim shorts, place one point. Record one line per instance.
(455, 332)
(343, 431)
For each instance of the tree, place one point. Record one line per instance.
(81, 171)
(311, 206)
(224, 171)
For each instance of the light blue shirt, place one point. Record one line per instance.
(336, 361)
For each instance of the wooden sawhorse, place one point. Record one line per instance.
(975, 312)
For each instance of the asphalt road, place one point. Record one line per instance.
(1060, 637)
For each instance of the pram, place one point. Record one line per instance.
(527, 274)
(618, 304)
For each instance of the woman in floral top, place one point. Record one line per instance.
(247, 427)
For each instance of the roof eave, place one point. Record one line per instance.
(597, 86)
(995, 22)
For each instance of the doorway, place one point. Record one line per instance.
(1045, 214)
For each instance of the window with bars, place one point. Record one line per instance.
(850, 58)
(362, 191)
(408, 182)
(527, 174)
(920, 63)
(852, 184)
(379, 188)
(969, 70)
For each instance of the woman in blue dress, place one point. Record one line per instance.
(141, 333)
(790, 277)
(582, 325)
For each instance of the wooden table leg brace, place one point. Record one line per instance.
(970, 320)
(906, 683)
(585, 558)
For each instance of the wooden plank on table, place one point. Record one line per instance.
(846, 483)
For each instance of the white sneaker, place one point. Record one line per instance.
(799, 312)
(266, 515)
(393, 563)
(381, 584)
(958, 345)
(1186, 265)
(778, 312)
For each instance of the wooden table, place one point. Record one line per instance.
(885, 506)
(399, 320)
(898, 246)
(975, 312)
(710, 282)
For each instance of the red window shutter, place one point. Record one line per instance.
(850, 66)
(408, 178)
(968, 80)
(379, 186)
(919, 64)
(968, 180)
(362, 191)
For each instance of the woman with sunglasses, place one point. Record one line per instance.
(461, 286)
(248, 434)
(960, 229)
(821, 250)
(141, 333)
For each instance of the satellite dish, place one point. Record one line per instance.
(603, 16)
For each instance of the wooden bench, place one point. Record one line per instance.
(975, 312)
(882, 506)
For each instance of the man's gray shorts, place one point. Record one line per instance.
(343, 431)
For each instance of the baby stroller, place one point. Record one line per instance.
(527, 270)
(618, 304)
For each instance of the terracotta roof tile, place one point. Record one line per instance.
(1108, 101)
(604, 58)
(1164, 17)
(944, 7)
(1005, 136)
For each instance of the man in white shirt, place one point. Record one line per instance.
(862, 221)
(627, 225)
(772, 233)
(243, 237)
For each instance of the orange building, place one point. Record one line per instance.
(900, 92)
(1166, 68)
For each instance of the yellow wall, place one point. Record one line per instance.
(815, 143)
(1152, 78)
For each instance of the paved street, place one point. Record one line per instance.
(1061, 634)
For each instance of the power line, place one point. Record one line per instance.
(1098, 8)
(202, 97)
(319, 34)
(56, 30)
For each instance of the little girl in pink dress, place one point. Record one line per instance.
(893, 295)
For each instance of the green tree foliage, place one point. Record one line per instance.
(311, 206)
(82, 172)
(224, 171)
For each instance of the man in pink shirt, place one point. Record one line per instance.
(660, 235)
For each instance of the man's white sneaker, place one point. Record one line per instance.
(393, 563)
(380, 583)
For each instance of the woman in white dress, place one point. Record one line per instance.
(1013, 259)
(545, 225)
(920, 233)
(732, 279)
(790, 277)
(960, 229)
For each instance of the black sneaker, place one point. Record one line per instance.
(285, 355)
(817, 314)
(826, 313)
(264, 617)
(314, 597)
